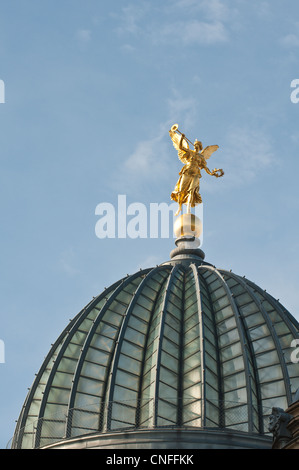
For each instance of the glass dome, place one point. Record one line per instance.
(180, 346)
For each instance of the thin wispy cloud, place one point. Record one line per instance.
(132, 18)
(83, 36)
(247, 153)
(291, 39)
(186, 23)
(67, 262)
(193, 32)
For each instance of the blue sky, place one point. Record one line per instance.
(91, 90)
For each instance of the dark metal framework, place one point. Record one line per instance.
(180, 345)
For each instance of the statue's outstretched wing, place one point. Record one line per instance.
(207, 152)
(183, 155)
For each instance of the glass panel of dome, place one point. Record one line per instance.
(210, 338)
(243, 299)
(173, 322)
(73, 350)
(217, 294)
(211, 393)
(175, 298)
(137, 324)
(170, 347)
(210, 361)
(234, 381)
(190, 300)
(175, 310)
(141, 312)
(129, 364)
(55, 411)
(149, 292)
(62, 379)
(281, 328)
(84, 400)
(150, 355)
(267, 359)
(147, 378)
(107, 330)
(78, 337)
(191, 337)
(168, 377)
(293, 370)
(229, 337)
(34, 408)
(67, 364)
(123, 412)
(269, 403)
(226, 325)
(233, 365)
(58, 395)
(85, 420)
(102, 357)
(192, 412)
(270, 373)
(116, 307)
(171, 334)
(155, 281)
(285, 342)
(169, 361)
(254, 319)
(193, 392)
(295, 383)
(263, 344)
(107, 343)
(191, 322)
(212, 413)
(122, 394)
(191, 348)
(166, 391)
(135, 336)
(166, 411)
(113, 318)
(215, 284)
(236, 396)
(209, 320)
(144, 301)
(236, 289)
(149, 392)
(221, 303)
(273, 389)
(191, 362)
(86, 324)
(49, 430)
(92, 370)
(192, 377)
(192, 311)
(259, 331)
(224, 313)
(132, 349)
(249, 309)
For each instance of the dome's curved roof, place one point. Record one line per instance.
(183, 344)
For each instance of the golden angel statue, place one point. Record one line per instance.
(187, 188)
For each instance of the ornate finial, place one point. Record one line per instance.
(187, 188)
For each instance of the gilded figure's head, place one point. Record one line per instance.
(197, 145)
